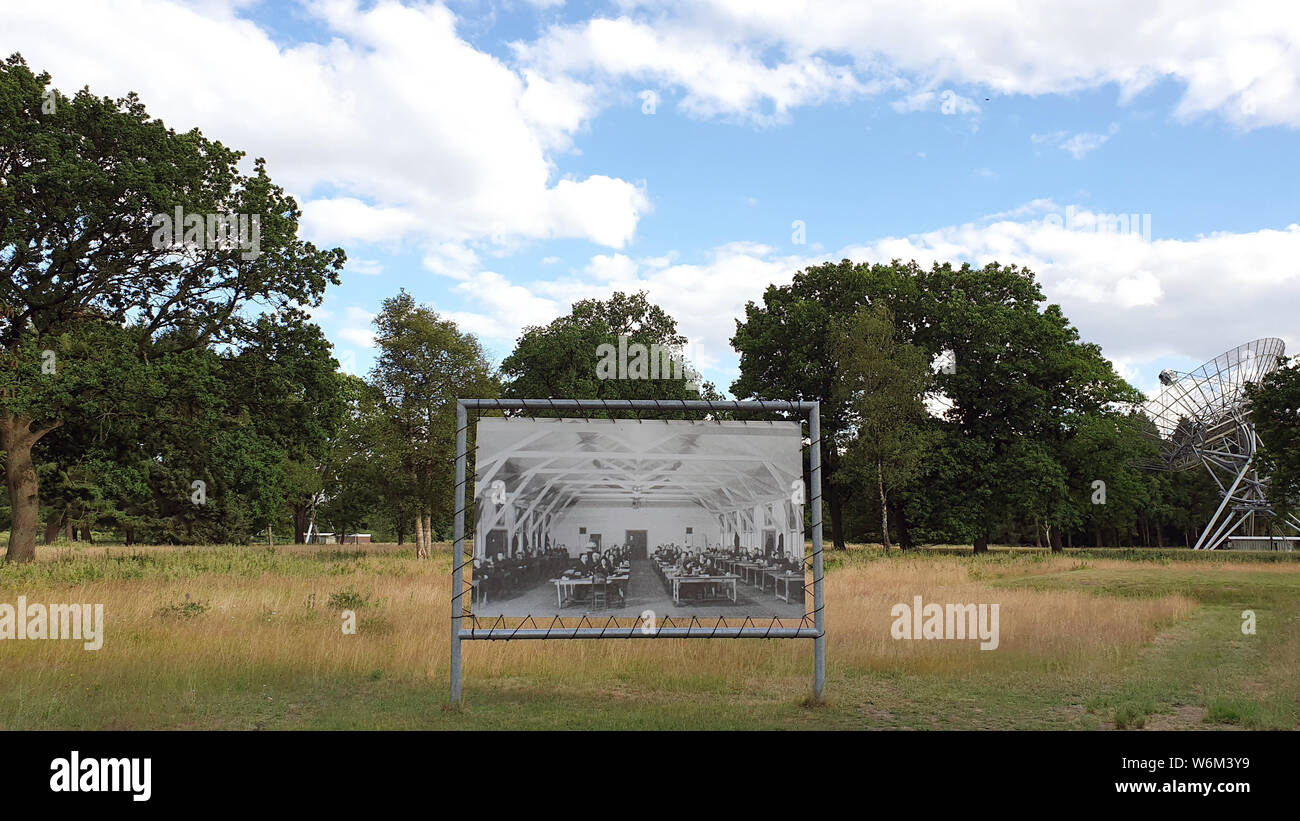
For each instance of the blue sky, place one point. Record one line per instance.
(500, 160)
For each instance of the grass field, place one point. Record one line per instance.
(246, 637)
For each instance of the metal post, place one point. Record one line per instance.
(457, 552)
(819, 612)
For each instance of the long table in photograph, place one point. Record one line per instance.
(743, 569)
(783, 577)
(725, 579)
(566, 587)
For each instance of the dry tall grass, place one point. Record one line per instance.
(271, 616)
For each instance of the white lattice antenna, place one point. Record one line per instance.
(1203, 418)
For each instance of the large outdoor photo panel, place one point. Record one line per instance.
(614, 518)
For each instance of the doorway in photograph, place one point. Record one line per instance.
(496, 542)
(636, 541)
(769, 542)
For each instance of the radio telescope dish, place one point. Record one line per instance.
(1203, 418)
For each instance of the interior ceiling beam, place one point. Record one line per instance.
(641, 456)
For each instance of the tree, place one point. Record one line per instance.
(357, 475)
(287, 384)
(1020, 373)
(1275, 409)
(425, 364)
(1021, 380)
(1108, 488)
(786, 352)
(84, 180)
(572, 356)
(883, 384)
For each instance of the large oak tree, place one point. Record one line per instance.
(81, 181)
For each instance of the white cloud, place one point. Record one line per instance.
(1235, 59)
(361, 337)
(1081, 144)
(1076, 144)
(451, 259)
(365, 267)
(721, 76)
(505, 308)
(1141, 300)
(358, 330)
(703, 297)
(394, 129)
(946, 102)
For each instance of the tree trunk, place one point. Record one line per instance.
(85, 535)
(1054, 538)
(832, 494)
(1038, 532)
(17, 439)
(981, 544)
(299, 524)
(428, 535)
(904, 534)
(53, 526)
(884, 508)
(419, 535)
(270, 538)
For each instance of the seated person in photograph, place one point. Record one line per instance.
(489, 583)
(582, 567)
(501, 572)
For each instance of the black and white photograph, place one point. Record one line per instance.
(616, 517)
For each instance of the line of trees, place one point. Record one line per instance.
(181, 394)
(1004, 442)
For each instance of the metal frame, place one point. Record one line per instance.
(463, 559)
(1240, 485)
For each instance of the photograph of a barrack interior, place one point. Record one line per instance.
(614, 517)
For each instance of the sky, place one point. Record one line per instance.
(501, 160)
